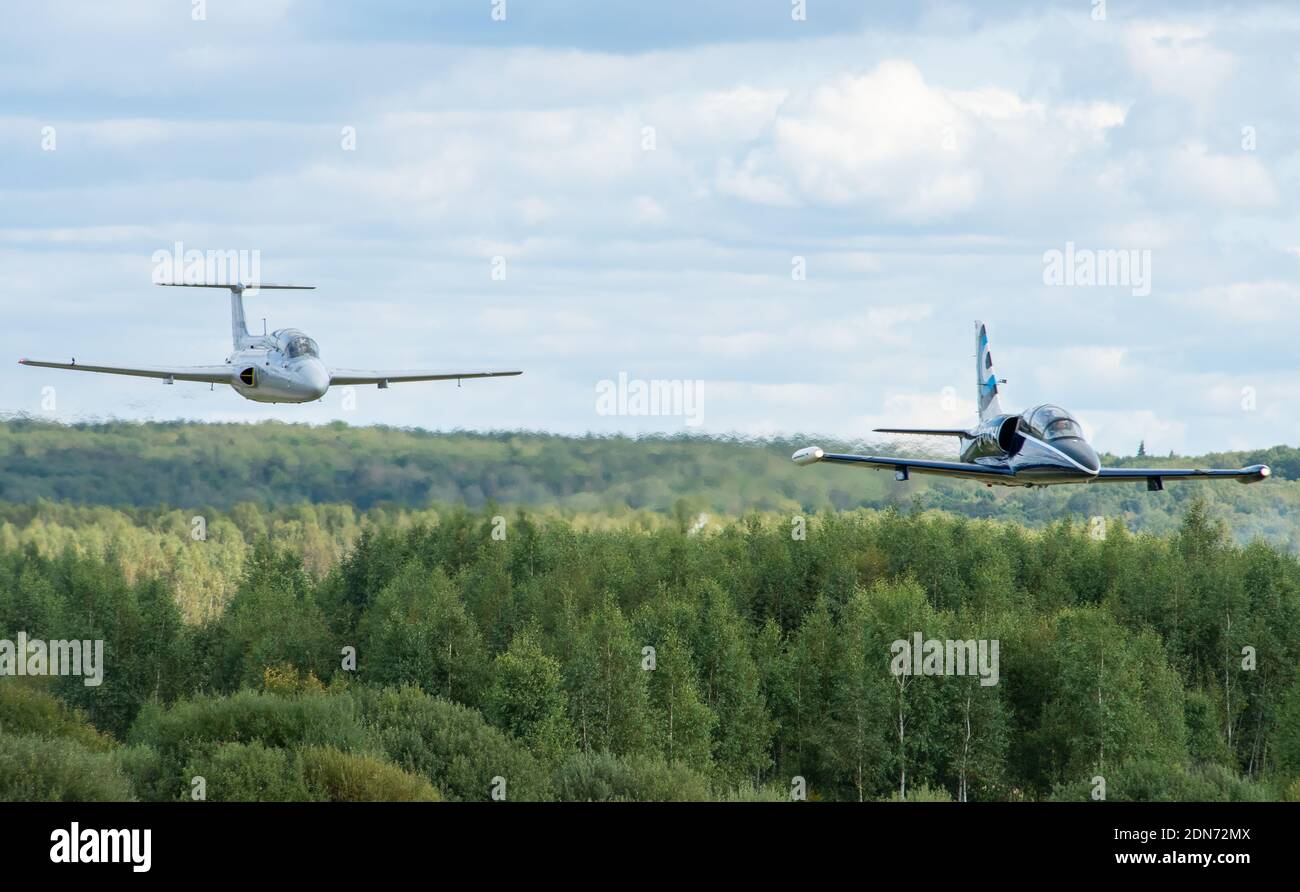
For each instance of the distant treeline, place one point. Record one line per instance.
(530, 658)
(191, 466)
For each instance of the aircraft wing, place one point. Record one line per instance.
(969, 470)
(1252, 474)
(384, 378)
(217, 374)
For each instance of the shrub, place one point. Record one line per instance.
(249, 772)
(451, 745)
(605, 777)
(351, 777)
(193, 727)
(923, 793)
(747, 792)
(1147, 780)
(143, 766)
(37, 768)
(25, 709)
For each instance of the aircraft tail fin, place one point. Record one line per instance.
(238, 325)
(986, 379)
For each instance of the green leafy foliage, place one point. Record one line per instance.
(198, 729)
(26, 709)
(527, 698)
(622, 657)
(355, 777)
(605, 777)
(451, 745)
(221, 467)
(36, 768)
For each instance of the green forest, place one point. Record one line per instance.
(189, 467)
(297, 613)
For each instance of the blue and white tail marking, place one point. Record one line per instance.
(986, 379)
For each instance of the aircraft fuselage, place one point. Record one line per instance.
(1026, 446)
(283, 367)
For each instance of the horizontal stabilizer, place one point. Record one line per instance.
(925, 431)
(252, 286)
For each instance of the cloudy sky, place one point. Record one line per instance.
(802, 213)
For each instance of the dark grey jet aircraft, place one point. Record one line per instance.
(1040, 446)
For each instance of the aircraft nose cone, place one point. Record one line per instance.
(316, 376)
(1081, 452)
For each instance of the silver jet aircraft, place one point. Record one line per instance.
(1038, 447)
(282, 367)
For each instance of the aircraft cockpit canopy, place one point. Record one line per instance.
(1049, 422)
(295, 344)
